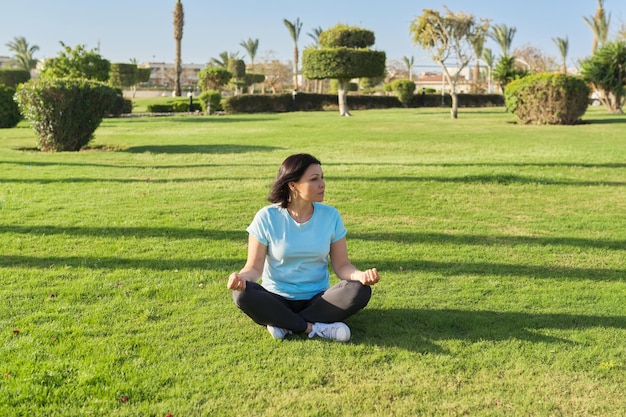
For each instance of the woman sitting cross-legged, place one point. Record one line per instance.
(289, 245)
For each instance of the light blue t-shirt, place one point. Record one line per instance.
(296, 265)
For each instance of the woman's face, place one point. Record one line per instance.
(311, 185)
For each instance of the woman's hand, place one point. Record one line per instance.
(369, 277)
(236, 283)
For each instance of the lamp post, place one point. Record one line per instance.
(190, 95)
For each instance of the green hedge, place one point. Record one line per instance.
(177, 106)
(64, 112)
(9, 112)
(11, 77)
(548, 98)
(316, 102)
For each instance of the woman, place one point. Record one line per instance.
(289, 244)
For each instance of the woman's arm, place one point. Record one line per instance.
(345, 270)
(253, 268)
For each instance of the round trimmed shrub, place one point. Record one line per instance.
(547, 98)
(64, 112)
(9, 112)
(404, 89)
(211, 101)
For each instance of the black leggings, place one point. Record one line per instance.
(335, 304)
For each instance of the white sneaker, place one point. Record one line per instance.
(277, 332)
(335, 331)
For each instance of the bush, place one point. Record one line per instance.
(404, 89)
(211, 101)
(173, 106)
(548, 98)
(9, 112)
(121, 106)
(11, 77)
(64, 112)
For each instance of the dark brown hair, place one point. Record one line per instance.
(292, 169)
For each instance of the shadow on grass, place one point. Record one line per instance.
(129, 232)
(499, 269)
(614, 119)
(443, 269)
(146, 179)
(208, 149)
(485, 240)
(121, 165)
(491, 164)
(501, 179)
(241, 235)
(419, 330)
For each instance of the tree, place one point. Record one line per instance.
(489, 59)
(315, 35)
(621, 34)
(563, 45)
(599, 25)
(238, 69)
(534, 59)
(449, 35)
(294, 29)
(224, 59)
(506, 71)
(123, 75)
(345, 54)
(503, 35)
(179, 22)
(77, 63)
(24, 54)
(251, 46)
(409, 62)
(213, 78)
(478, 44)
(606, 72)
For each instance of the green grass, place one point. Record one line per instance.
(501, 247)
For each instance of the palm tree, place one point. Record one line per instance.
(563, 45)
(489, 59)
(599, 25)
(294, 30)
(315, 35)
(224, 59)
(409, 65)
(503, 35)
(478, 44)
(23, 58)
(251, 46)
(179, 21)
(622, 32)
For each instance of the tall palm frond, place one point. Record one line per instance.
(563, 45)
(409, 62)
(294, 29)
(251, 46)
(224, 59)
(503, 35)
(24, 54)
(599, 25)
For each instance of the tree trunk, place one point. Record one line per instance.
(342, 93)
(454, 110)
(295, 68)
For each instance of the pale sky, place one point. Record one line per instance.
(143, 29)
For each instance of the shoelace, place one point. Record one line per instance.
(320, 331)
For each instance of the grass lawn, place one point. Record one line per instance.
(502, 250)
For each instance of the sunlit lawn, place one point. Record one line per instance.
(502, 250)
